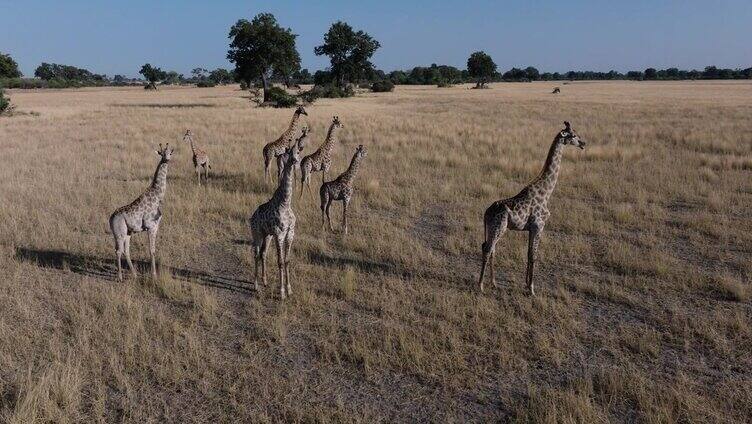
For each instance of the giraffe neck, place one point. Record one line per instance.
(352, 170)
(331, 138)
(159, 182)
(193, 147)
(283, 195)
(293, 128)
(546, 181)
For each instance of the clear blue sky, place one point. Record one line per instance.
(119, 36)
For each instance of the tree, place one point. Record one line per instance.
(261, 49)
(8, 67)
(199, 74)
(481, 67)
(221, 76)
(532, 74)
(171, 78)
(651, 74)
(635, 75)
(152, 75)
(349, 52)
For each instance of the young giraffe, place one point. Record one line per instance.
(528, 210)
(285, 141)
(301, 143)
(143, 214)
(321, 159)
(341, 189)
(200, 158)
(275, 218)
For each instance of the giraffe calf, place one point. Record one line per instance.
(341, 189)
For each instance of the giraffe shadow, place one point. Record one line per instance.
(93, 266)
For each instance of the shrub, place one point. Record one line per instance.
(364, 85)
(327, 92)
(4, 102)
(443, 83)
(281, 98)
(384, 86)
(150, 86)
(205, 84)
(243, 85)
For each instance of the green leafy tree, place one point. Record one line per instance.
(221, 76)
(8, 67)
(171, 78)
(261, 49)
(152, 75)
(651, 74)
(481, 67)
(199, 74)
(349, 52)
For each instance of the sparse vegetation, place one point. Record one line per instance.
(642, 313)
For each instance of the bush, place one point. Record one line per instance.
(4, 102)
(150, 86)
(205, 84)
(281, 98)
(329, 91)
(243, 85)
(384, 86)
(364, 85)
(443, 84)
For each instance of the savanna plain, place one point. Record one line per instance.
(643, 308)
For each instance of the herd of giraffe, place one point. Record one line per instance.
(275, 219)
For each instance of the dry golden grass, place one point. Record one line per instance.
(643, 312)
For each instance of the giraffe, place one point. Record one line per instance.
(143, 214)
(528, 210)
(200, 158)
(341, 188)
(301, 142)
(275, 218)
(285, 141)
(321, 159)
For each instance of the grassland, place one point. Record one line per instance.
(643, 312)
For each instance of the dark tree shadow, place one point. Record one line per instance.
(95, 267)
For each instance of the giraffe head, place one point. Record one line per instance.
(188, 136)
(165, 152)
(361, 152)
(336, 123)
(301, 111)
(569, 136)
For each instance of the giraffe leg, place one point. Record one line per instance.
(119, 247)
(344, 214)
(302, 181)
(128, 255)
(198, 173)
(256, 263)
(153, 251)
(206, 172)
(264, 248)
(532, 251)
(279, 241)
(329, 218)
(493, 232)
(288, 248)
